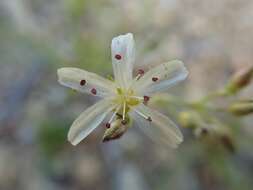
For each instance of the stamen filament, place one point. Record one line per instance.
(124, 110)
(137, 97)
(114, 114)
(143, 115)
(138, 76)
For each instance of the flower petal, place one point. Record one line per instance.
(85, 81)
(123, 55)
(88, 121)
(161, 77)
(161, 129)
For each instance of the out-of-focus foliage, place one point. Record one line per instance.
(52, 137)
(213, 107)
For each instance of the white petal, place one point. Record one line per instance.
(166, 75)
(123, 47)
(161, 129)
(73, 77)
(88, 121)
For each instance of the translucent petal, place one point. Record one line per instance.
(85, 81)
(123, 55)
(161, 77)
(89, 120)
(161, 129)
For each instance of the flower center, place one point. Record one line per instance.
(127, 97)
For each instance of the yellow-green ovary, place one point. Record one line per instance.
(126, 97)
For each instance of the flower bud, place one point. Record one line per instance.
(241, 79)
(116, 130)
(201, 132)
(188, 119)
(241, 108)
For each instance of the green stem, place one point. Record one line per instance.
(213, 95)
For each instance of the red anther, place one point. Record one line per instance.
(154, 79)
(149, 119)
(118, 56)
(123, 122)
(141, 72)
(82, 82)
(93, 91)
(146, 98)
(107, 125)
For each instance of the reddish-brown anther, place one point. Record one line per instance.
(118, 57)
(149, 119)
(146, 98)
(141, 72)
(107, 125)
(82, 82)
(154, 79)
(93, 91)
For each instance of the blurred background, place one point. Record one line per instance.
(213, 38)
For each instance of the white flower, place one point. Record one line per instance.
(126, 97)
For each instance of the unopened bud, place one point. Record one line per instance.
(201, 132)
(116, 130)
(187, 119)
(241, 79)
(241, 108)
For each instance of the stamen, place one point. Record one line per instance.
(113, 115)
(93, 91)
(124, 111)
(118, 57)
(154, 79)
(146, 99)
(138, 77)
(137, 97)
(107, 125)
(141, 72)
(82, 82)
(148, 118)
(124, 122)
